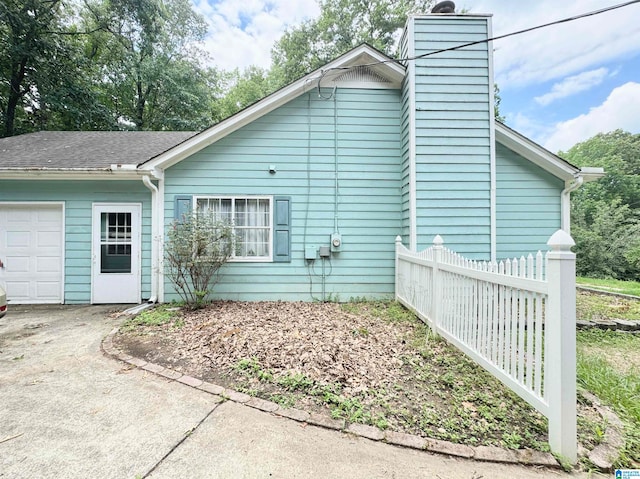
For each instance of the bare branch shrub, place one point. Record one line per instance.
(197, 247)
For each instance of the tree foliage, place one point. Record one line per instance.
(341, 26)
(42, 70)
(149, 65)
(237, 90)
(102, 64)
(606, 213)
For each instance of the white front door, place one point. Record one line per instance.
(31, 252)
(116, 253)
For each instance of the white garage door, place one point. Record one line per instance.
(31, 250)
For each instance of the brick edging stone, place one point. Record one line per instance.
(527, 457)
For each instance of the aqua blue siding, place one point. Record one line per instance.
(298, 138)
(528, 205)
(78, 197)
(453, 121)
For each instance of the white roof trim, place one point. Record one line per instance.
(71, 174)
(535, 153)
(362, 55)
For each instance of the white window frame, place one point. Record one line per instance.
(243, 259)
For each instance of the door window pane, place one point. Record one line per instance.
(115, 243)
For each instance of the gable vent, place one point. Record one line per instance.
(361, 75)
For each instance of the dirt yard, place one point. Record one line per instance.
(370, 363)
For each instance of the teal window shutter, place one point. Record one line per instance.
(181, 207)
(282, 229)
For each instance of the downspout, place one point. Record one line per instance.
(566, 201)
(155, 269)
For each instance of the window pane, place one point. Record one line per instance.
(219, 208)
(251, 222)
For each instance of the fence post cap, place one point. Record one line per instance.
(561, 241)
(438, 241)
(398, 239)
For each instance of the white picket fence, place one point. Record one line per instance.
(515, 318)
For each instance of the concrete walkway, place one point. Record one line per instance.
(66, 410)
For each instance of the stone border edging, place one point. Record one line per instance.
(606, 453)
(608, 293)
(618, 325)
(621, 325)
(528, 457)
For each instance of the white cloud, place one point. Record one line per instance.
(573, 85)
(243, 33)
(620, 110)
(561, 50)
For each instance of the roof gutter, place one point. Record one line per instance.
(114, 172)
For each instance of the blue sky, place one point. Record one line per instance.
(559, 85)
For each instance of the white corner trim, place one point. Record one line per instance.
(411, 79)
(492, 146)
(362, 55)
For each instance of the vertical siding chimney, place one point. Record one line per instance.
(448, 135)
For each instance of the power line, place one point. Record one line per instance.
(526, 30)
(486, 40)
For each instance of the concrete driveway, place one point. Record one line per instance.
(66, 410)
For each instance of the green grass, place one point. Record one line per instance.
(593, 306)
(609, 366)
(611, 285)
(156, 316)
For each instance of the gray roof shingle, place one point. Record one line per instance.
(85, 149)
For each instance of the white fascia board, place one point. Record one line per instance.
(362, 55)
(534, 153)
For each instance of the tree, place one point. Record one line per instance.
(237, 90)
(197, 247)
(148, 62)
(606, 213)
(618, 152)
(341, 26)
(607, 236)
(496, 103)
(42, 80)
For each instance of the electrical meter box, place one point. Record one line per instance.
(336, 242)
(310, 253)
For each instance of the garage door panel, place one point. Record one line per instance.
(48, 238)
(49, 216)
(17, 264)
(18, 239)
(16, 217)
(31, 247)
(47, 290)
(50, 264)
(18, 291)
